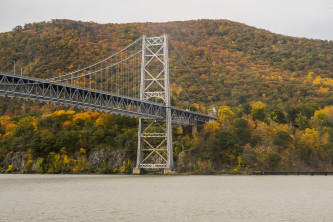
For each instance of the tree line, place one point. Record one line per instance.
(250, 137)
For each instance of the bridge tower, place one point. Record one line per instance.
(155, 140)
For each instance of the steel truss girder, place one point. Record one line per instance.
(60, 94)
(29, 88)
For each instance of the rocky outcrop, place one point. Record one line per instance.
(107, 158)
(184, 162)
(99, 159)
(17, 159)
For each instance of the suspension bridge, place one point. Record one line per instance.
(134, 82)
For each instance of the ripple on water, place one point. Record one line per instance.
(165, 198)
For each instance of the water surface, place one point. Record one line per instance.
(165, 198)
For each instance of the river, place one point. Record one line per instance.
(165, 198)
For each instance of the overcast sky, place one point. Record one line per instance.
(302, 18)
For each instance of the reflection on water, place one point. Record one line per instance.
(165, 198)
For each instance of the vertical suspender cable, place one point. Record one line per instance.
(128, 72)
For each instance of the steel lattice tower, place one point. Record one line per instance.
(155, 141)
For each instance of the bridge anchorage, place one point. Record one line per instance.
(93, 88)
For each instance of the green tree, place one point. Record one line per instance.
(241, 131)
(292, 113)
(225, 147)
(302, 121)
(278, 116)
(282, 139)
(246, 108)
(274, 160)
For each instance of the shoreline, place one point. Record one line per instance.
(255, 173)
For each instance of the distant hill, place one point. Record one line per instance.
(236, 63)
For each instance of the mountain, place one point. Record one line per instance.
(236, 63)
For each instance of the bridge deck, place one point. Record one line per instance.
(29, 88)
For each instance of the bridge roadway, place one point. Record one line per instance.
(40, 90)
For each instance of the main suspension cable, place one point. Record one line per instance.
(99, 62)
(182, 58)
(188, 96)
(99, 70)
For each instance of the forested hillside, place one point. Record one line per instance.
(236, 63)
(274, 93)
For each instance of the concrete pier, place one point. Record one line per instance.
(169, 172)
(137, 171)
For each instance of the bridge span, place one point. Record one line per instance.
(45, 91)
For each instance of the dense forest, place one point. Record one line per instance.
(274, 95)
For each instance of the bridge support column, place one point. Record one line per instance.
(168, 119)
(194, 129)
(137, 169)
(170, 166)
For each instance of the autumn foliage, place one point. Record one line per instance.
(274, 95)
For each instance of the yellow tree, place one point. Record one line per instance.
(309, 145)
(212, 128)
(226, 115)
(325, 114)
(258, 111)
